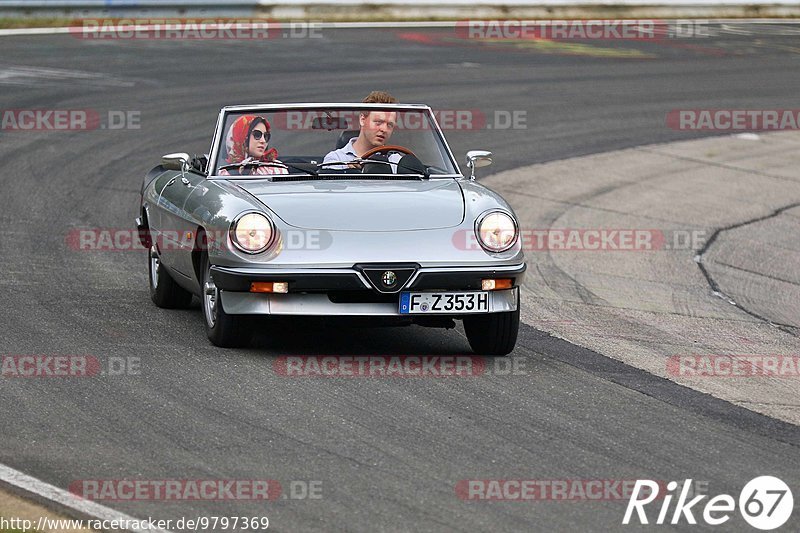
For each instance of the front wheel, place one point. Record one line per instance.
(492, 334)
(223, 330)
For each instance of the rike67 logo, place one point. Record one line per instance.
(765, 503)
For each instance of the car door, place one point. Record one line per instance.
(155, 206)
(177, 235)
(194, 213)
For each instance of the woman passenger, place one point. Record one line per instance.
(247, 141)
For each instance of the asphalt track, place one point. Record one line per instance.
(388, 452)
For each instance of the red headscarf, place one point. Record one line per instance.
(238, 137)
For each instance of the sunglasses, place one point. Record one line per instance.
(257, 134)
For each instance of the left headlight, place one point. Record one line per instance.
(252, 233)
(497, 231)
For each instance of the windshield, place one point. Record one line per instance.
(319, 142)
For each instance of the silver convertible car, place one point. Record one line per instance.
(283, 218)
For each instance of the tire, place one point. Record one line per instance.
(164, 291)
(494, 333)
(223, 330)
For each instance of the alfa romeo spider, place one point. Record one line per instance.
(288, 215)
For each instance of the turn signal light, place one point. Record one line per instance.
(269, 286)
(496, 284)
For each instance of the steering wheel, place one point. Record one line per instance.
(386, 148)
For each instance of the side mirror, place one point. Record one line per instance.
(177, 161)
(477, 159)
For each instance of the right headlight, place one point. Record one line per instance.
(497, 231)
(252, 232)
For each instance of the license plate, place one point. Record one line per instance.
(444, 302)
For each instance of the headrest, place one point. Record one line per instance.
(345, 137)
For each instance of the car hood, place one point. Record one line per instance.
(368, 205)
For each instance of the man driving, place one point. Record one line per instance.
(376, 127)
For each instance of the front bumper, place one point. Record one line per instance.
(246, 303)
(349, 292)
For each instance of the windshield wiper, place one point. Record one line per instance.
(272, 164)
(359, 161)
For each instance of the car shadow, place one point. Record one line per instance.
(339, 336)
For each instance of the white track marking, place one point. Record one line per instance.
(71, 501)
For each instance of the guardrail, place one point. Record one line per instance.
(133, 4)
(403, 9)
